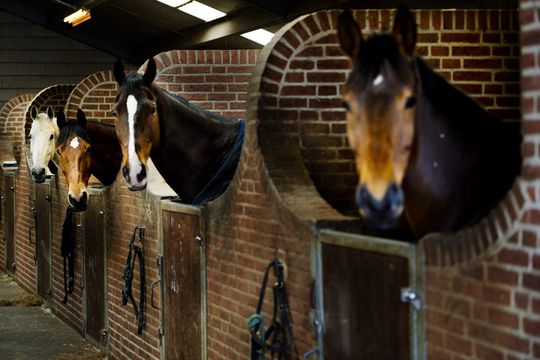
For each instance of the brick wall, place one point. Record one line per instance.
(12, 117)
(95, 95)
(215, 80)
(34, 58)
(487, 307)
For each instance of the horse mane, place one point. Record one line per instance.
(205, 113)
(134, 83)
(444, 97)
(72, 128)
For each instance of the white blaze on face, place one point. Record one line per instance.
(134, 163)
(378, 80)
(74, 143)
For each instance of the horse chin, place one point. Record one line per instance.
(137, 187)
(380, 222)
(39, 179)
(79, 207)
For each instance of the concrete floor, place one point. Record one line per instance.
(35, 333)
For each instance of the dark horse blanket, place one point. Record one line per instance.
(221, 179)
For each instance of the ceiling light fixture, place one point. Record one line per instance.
(78, 17)
(195, 8)
(260, 36)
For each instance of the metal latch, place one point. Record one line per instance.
(199, 240)
(409, 296)
(104, 335)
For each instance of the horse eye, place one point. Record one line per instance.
(410, 102)
(346, 106)
(51, 137)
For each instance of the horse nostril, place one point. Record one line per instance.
(41, 171)
(84, 198)
(125, 172)
(142, 175)
(394, 197)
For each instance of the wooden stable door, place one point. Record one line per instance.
(181, 284)
(95, 252)
(362, 284)
(43, 239)
(9, 223)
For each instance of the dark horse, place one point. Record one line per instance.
(86, 149)
(195, 151)
(421, 146)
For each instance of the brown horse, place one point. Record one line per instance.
(421, 146)
(86, 149)
(195, 151)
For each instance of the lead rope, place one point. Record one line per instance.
(127, 292)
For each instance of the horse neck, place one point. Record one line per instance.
(199, 141)
(463, 159)
(106, 152)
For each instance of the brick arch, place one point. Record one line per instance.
(215, 80)
(95, 96)
(12, 120)
(55, 96)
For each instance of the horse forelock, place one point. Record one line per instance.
(378, 52)
(70, 130)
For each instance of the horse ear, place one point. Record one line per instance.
(50, 112)
(60, 119)
(33, 112)
(404, 30)
(349, 34)
(119, 74)
(81, 118)
(150, 73)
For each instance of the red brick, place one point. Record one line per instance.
(531, 281)
(503, 318)
(470, 51)
(483, 352)
(514, 257)
(496, 295)
(499, 275)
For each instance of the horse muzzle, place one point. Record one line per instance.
(81, 204)
(39, 175)
(135, 182)
(383, 213)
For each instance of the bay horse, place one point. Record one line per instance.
(422, 147)
(195, 151)
(84, 149)
(43, 135)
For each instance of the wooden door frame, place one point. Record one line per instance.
(167, 205)
(49, 184)
(377, 245)
(94, 192)
(4, 214)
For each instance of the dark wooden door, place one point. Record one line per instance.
(364, 317)
(94, 269)
(181, 287)
(43, 239)
(9, 223)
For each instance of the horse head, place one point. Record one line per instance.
(380, 100)
(75, 156)
(137, 123)
(43, 135)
